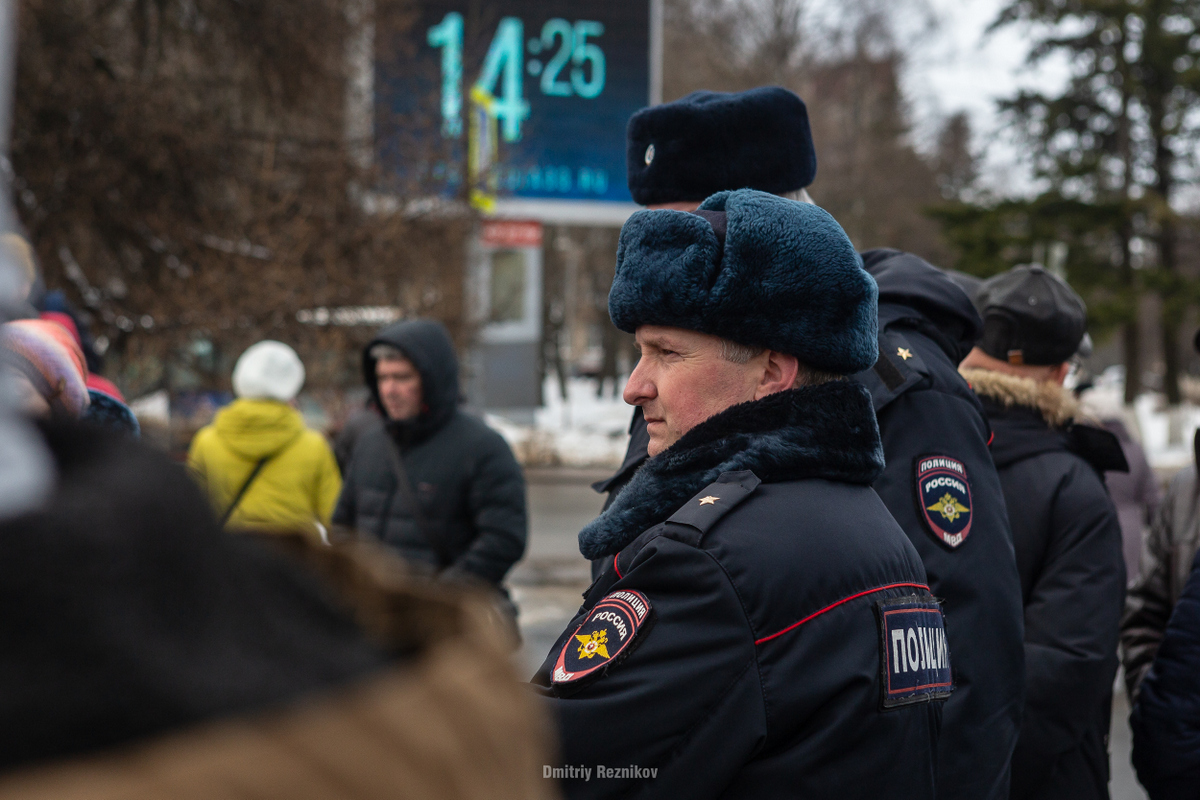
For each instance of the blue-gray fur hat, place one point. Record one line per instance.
(753, 268)
(708, 142)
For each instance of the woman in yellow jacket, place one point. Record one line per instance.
(261, 467)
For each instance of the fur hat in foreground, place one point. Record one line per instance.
(753, 268)
(708, 142)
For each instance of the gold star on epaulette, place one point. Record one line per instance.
(903, 353)
(708, 501)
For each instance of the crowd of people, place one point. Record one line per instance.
(864, 542)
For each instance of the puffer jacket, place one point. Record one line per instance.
(1167, 554)
(1166, 716)
(469, 487)
(298, 484)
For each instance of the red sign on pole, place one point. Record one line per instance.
(511, 233)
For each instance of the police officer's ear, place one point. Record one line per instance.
(779, 371)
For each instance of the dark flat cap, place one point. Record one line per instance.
(710, 142)
(755, 269)
(1030, 317)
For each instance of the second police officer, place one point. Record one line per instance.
(939, 481)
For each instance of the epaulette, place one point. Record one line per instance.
(695, 517)
(898, 369)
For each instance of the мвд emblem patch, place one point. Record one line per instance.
(606, 633)
(944, 498)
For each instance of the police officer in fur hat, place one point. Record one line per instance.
(679, 153)
(764, 628)
(1065, 530)
(935, 436)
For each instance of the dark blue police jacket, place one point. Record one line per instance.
(941, 486)
(765, 629)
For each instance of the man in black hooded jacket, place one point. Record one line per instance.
(1065, 531)
(469, 521)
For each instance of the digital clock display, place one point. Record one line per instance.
(527, 98)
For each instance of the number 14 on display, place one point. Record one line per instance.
(504, 68)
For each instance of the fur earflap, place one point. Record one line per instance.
(1056, 405)
(785, 277)
(827, 431)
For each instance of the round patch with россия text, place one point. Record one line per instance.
(605, 635)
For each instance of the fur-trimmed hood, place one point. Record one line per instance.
(827, 431)
(1056, 405)
(1029, 418)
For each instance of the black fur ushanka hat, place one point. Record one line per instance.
(753, 268)
(709, 142)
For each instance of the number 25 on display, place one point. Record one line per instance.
(504, 68)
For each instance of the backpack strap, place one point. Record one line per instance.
(242, 491)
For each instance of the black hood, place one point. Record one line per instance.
(426, 343)
(1020, 433)
(913, 290)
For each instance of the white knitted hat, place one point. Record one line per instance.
(268, 370)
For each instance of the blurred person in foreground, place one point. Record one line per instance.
(436, 485)
(1065, 530)
(45, 368)
(94, 379)
(764, 628)
(261, 467)
(148, 656)
(1166, 562)
(935, 435)
(106, 405)
(1166, 715)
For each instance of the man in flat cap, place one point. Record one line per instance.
(933, 428)
(765, 628)
(1065, 529)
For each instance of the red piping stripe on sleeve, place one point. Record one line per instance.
(795, 625)
(991, 439)
(615, 567)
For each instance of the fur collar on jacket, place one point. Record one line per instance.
(827, 431)
(1057, 406)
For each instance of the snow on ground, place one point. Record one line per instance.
(582, 431)
(1165, 433)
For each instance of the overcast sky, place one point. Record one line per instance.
(957, 68)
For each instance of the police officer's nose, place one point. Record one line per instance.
(638, 389)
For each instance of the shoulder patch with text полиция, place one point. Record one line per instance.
(606, 634)
(914, 658)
